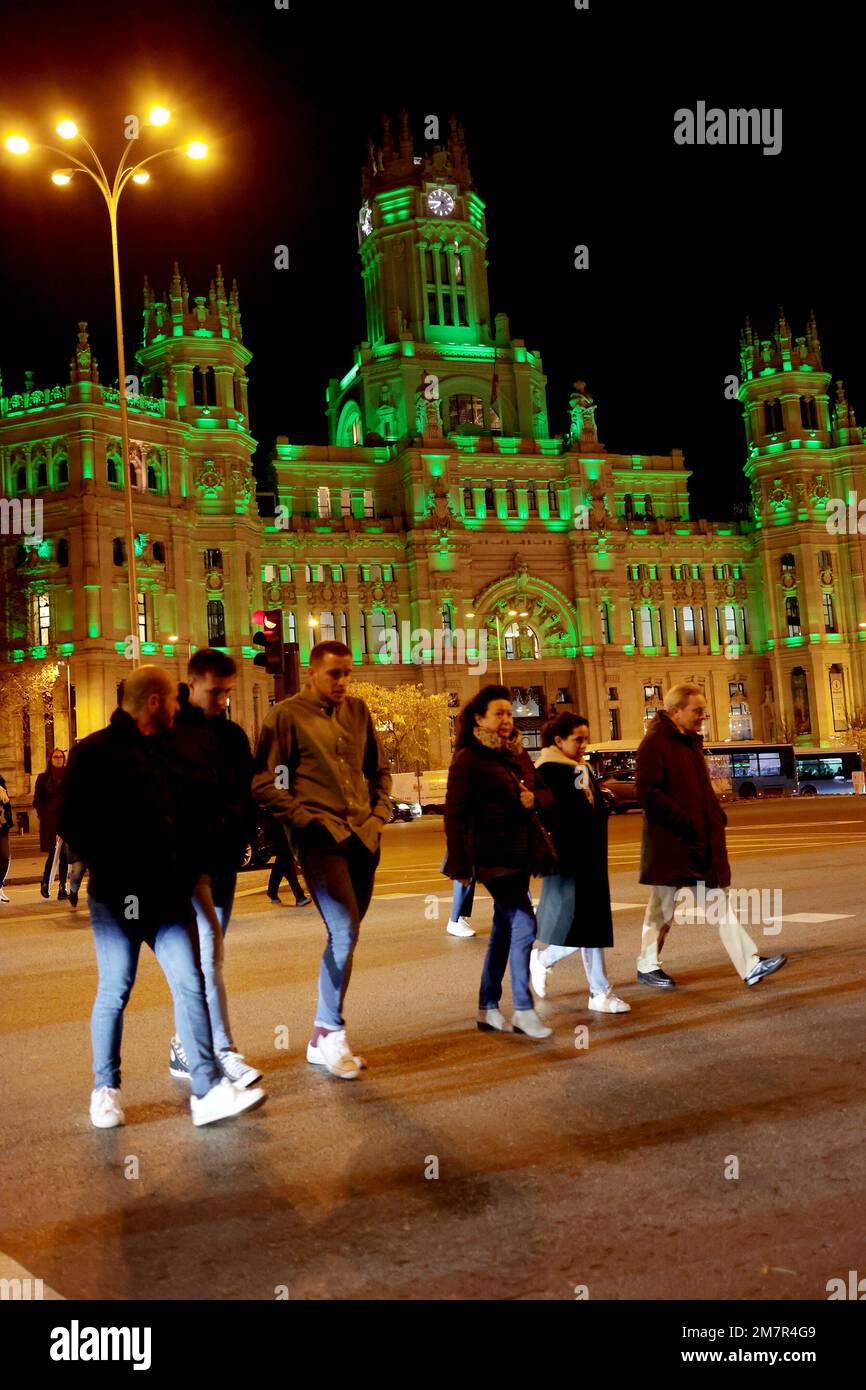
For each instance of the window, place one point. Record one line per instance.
(510, 500)
(286, 574)
(613, 692)
(21, 478)
(690, 636)
(652, 692)
(337, 573)
(62, 466)
(773, 416)
(63, 553)
(489, 500)
(346, 502)
(531, 499)
(447, 618)
(628, 508)
(722, 572)
(293, 631)
(787, 565)
(152, 478)
(605, 624)
(112, 470)
(520, 645)
(203, 386)
(465, 410)
(703, 616)
(377, 632)
(143, 616)
(117, 550)
(323, 502)
(216, 623)
(313, 574)
(363, 617)
(269, 574)
(159, 552)
(42, 474)
(829, 613)
(213, 560)
(809, 412)
(344, 629)
(676, 571)
(552, 500)
(40, 616)
(697, 572)
(744, 627)
(327, 630)
(468, 503)
(730, 625)
(800, 698)
(792, 616)
(646, 627)
(613, 727)
(633, 626)
(563, 695)
(825, 560)
(369, 504)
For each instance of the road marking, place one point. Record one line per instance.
(621, 907)
(814, 917)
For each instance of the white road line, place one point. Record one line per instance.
(815, 917)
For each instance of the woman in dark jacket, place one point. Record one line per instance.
(489, 810)
(574, 910)
(5, 829)
(46, 800)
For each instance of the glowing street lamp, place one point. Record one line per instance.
(111, 190)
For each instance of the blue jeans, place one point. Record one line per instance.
(511, 939)
(117, 952)
(463, 900)
(211, 955)
(339, 878)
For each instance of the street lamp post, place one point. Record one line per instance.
(111, 191)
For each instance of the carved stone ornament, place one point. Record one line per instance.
(209, 478)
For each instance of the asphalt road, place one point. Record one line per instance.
(706, 1145)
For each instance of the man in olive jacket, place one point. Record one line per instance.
(683, 843)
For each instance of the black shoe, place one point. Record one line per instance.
(303, 902)
(765, 966)
(43, 889)
(178, 1065)
(62, 895)
(273, 898)
(73, 897)
(657, 977)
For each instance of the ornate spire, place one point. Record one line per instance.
(407, 144)
(387, 140)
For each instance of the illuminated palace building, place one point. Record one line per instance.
(443, 492)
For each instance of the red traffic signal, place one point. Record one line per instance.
(271, 639)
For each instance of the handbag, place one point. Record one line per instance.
(543, 858)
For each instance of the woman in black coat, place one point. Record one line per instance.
(490, 835)
(574, 910)
(5, 829)
(46, 800)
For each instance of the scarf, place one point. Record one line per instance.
(581, 770)
(513, 744)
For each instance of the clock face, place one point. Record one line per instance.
(365, 219)
(440, 202)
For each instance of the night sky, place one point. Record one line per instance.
(569, 122)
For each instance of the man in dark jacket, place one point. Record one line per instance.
(220, 752)
(132, 809)
(683, 843)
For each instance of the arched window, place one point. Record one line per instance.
(552, 499)
(465, 410)
(159, 552)
(152, 475)
(203, 386)
(377, 631)
(510, 500)
(63, 553)
(216, 623)
(520, 643)
(112, 470)
(237, 393)
(605, 624)
(117, 550)
(42, 474)
(447, 619)
(327, 629)
(21, 478)
(648, 506)
(468, 502)
(788, 565)
(489, 500)
(809, 412)
(628, 507)
(792, 616)
(829, 613)
(531, 499)
(62, 470)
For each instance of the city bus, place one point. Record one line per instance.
(827, 771)
(738, 770)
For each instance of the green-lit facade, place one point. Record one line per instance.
(443, 492)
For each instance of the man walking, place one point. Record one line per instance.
(126, 810)
(206, 738)
(321, 772)
(683, 842)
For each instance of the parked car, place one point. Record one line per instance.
(404, 810)
(621, 792)
(261, 851)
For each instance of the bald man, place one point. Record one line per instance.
(131, 810)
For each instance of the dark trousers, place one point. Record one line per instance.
(5, 856)
(62, 867)
(340, 878)
(284, 868)
(511, 939)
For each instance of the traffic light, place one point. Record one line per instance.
(271, 638)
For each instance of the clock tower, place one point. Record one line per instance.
(433, 357)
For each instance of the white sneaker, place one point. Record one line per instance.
(315, 1058)
(527, 1021)
(491, 1020)
(224, 1102)
(538, 974)
(239, 1072)
(608, 1004)
(3, 897)
(333, 1051)
(460, 928)
(105, 1111)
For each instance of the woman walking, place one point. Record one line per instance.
(5, 831)
(574, 909)
(492, 834)
(46, 800)
(462, 902)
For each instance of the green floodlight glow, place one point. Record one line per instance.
(833, 637)
(119, 647)
(725, 533)
(18, 655)
(588, 650)
(628, 648)
(66, 649)
(38, 653)
(794, 641)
